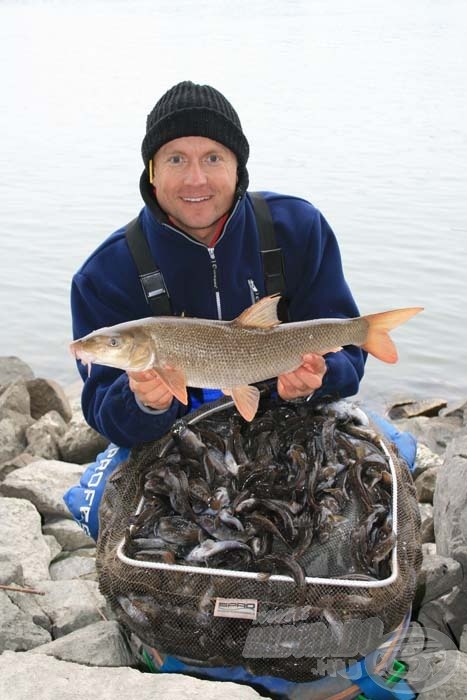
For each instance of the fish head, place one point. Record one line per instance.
(122, 346)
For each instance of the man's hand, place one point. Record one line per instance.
(150, 390)
(304, 380)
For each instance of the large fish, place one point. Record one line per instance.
(232, 355)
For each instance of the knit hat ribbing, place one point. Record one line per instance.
(188, 109)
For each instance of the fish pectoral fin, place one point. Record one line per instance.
(175, 381)
(246, 399)
(263, 314)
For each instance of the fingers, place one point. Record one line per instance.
(304, 380)
(150, 389)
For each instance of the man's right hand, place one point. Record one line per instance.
(150, 390)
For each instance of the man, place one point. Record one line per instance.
(199, 223)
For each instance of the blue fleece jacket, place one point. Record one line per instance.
(211, 283)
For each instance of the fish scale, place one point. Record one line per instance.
(224, 354)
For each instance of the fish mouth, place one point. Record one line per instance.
(86, 358)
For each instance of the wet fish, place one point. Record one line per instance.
(233, 355)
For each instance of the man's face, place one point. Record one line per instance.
(195, 180)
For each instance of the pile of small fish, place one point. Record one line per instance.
(261, 496)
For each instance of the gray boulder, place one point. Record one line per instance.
(68, 533)
(13, 368)
(47, 395)
(15, 397)
(13, 463)
(70, 605)
(43, 483)
(12, 436)
(425, 485)
(18, 631)
(439, 576)
(80, 443)
(38, 676)
(42, 437)
(444, 675)
(450, 503)
(22, 540)
(100, 644)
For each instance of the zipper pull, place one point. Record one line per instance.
(253, 291)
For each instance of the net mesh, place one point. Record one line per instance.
(341, 604)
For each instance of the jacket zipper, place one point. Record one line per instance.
(211, 255)
(214, 281)
(253, 291)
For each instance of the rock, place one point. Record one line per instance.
(444, 676)
(42, 677)
(80, 443)
(46, 395)
(450, 503)
(22, 542)
(13, 463)
(428, 548)
(18, 632)
(15, 398)
(73, 567)
(439, 575)
(427, 532)
(463, 642)
(68, 533)
(12, 368)
(99, 644)
(42, 437)
(43, 483)
(456, 605)
(425, 485)
(425, 459)
(10, 571)
(70, 605)
(12, 439)
(435, 433)
(410, 409)
(54, 546)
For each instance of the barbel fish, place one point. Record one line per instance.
(233, 355)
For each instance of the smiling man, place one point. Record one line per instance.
(200, 234)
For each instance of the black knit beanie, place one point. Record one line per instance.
(188, 109)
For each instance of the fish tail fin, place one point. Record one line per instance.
(378, 342)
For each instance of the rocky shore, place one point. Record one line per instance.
(58, 637)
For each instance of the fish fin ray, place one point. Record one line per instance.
(175, 381)
(378, 342)
(263, 314)
(246, 399)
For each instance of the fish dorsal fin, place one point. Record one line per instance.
(175, 381)
(246, 399)
(263, 314)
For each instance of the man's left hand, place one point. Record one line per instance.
(304, 380)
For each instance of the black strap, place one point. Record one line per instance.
(150, 276)
(152, 281)
(273, 266)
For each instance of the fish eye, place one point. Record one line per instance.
(114, 342)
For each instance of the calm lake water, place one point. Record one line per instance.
(359, 107)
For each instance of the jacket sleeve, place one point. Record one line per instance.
(319, 290)
(109, 406)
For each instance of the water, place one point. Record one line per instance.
(359, 107)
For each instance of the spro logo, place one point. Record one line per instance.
(245, 609)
